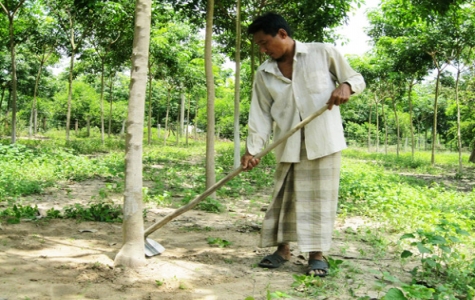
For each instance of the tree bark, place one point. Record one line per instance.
(132, 253)
(369, 127)
(237, 88)
(411, 116)
(102, 100)
(111, 97)
(210, 171)
(182, 114)
(396, 119)
(385, 127)
(434, 126)
(166, 118)
(459, 134)
(149, 121)
(70, 80)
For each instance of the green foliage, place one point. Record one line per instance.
(221, 243)
(443, 261)
(14, 214)
(101, 212)
(29, 170)
(209, 204)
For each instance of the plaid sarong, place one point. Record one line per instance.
(304, 203)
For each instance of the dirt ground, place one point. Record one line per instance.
(64, 259)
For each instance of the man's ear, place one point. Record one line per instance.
(282, 33)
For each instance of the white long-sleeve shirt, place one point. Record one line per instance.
(317, 67)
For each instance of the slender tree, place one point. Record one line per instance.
(132, 252)
(11, 11)
(210, 171)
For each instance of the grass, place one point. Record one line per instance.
(393, 192)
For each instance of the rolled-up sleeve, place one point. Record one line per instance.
(340, 67)
(260, 119)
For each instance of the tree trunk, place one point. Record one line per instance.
(70, 82)
(369, 127)
(411, 114)
(33, 125)
(237, 88)
(149, 121)
(111, 96)
(459, 134)
(1, 101)
(434, 126)
(196, 119)
(182, 114)
(166, 118)
(188, 118)
(102, 101)
(385, 127)
(396, 119)
(14, 78)
(472, 155)
(377, 122)
(132, 252)
(210, 171)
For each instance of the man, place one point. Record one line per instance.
(297, 80)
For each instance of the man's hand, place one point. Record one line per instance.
(248, 161)
(339, 95)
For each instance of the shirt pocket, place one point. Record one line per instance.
(316, 82)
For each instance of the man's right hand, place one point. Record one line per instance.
(248, 161)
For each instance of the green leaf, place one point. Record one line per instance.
(394, 294)
(423, 249)
(446, 249)
(406, 254)
(461, 232)
(437, 239)
(407, 236)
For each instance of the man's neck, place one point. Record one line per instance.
(289, 55)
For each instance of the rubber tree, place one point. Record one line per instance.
(132, 252)
(42, 45)
(106, 30)
(210, 163)
(11, 9)
(74, 22)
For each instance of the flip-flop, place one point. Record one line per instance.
(318, 265)
(272, 261)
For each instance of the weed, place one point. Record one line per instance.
(13, 215)
(159, 283)
(218, 242)
(102, 212)
(443, 266)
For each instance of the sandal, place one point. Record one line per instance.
(272, 261)
(318, 265)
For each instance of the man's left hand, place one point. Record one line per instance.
(339, 95)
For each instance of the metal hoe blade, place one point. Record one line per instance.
(153, 248)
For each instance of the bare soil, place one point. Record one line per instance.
(65, 259)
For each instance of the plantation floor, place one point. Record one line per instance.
(64, 259)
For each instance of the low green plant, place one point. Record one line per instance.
(443, 266)
(209, 204)
(53, 213)
(218, 242)
(14, 214)
(101, 211)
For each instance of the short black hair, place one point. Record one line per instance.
(269, 23)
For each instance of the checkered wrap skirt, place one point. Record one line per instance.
(304, 203)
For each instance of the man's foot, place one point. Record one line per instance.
(279, 257)
(317, 264)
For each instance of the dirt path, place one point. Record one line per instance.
(64, 259)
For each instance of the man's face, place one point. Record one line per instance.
(273, 46)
